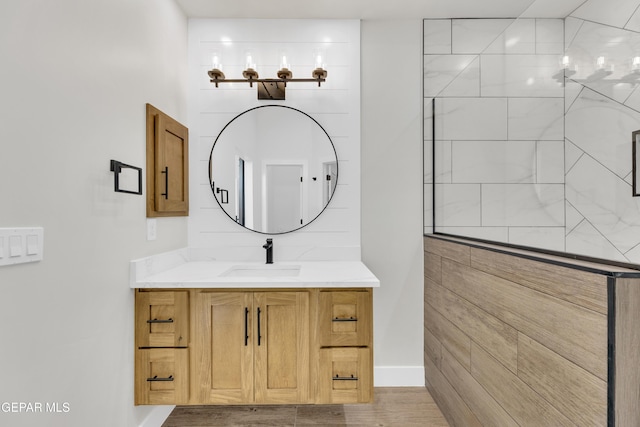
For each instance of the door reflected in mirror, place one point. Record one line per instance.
(277, 167)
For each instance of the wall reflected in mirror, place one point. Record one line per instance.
(279, 167)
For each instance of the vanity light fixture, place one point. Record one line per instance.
(272, 88)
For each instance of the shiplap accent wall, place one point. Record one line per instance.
(335, 235)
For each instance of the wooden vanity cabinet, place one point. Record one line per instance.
(241, 346)
(162, 353)
(252, 347)
(345, 372)
(162, 319)
(162, 376)
(345, 375)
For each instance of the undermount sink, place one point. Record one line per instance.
(262, 271)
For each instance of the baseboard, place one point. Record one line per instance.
(157, 416)
(398, 376)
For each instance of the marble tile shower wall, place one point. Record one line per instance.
(499, 129)
(602, 109)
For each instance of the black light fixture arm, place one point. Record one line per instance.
(251, 81)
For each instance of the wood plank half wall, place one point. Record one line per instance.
(520, 338)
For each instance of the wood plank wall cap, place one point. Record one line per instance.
(566, 316)
(483, 405)
(494, 335)
(450, 336)
(561, 259)
(627, 338)
(433, 267)
(449, 401)
(453, 251)
(579, 287)
(572, 331)
(554, 378)
(517, 398)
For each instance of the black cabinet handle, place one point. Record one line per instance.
(259, 335)
(169, 320)
(155, 378)
(339, 378)
(246, 326)
(166, 182)
(345, 319)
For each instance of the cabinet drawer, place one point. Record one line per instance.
(162, 376)
(162, 319)
(345, 318)
(345, 375)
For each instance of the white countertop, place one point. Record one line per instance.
(227, 274)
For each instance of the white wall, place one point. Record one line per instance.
(335, 105)
(392, 194)
(75, 78)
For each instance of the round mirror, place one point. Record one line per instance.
(273, 169)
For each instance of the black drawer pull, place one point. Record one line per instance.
(339, 378)
(155, 378)
(344, 319)
(166, 182)
(169, 320)
(246, 326)
(259, 333)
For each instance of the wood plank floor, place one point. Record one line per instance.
(392, 406)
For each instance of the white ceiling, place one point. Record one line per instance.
(377, 9)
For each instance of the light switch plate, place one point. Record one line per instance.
(32, 244)
(21, 245)
(152, 229)
(15, 245)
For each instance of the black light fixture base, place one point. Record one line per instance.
(271, 90)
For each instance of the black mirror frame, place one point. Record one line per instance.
(211, 177)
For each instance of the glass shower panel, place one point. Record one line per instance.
(498, 115)
(528, 127)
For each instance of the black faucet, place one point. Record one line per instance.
(269, 247)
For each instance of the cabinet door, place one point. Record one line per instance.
(345, 318)
(172, 168)
(345, 375)
(281, 347)
(162, 376)
(167, 165)
(162, 319)
(223, 343)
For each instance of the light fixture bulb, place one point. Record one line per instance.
(318, 60)
(600, 62)
(215, 61)
(250, 65)
(284, 64)
(635, 63)
(566, 61)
